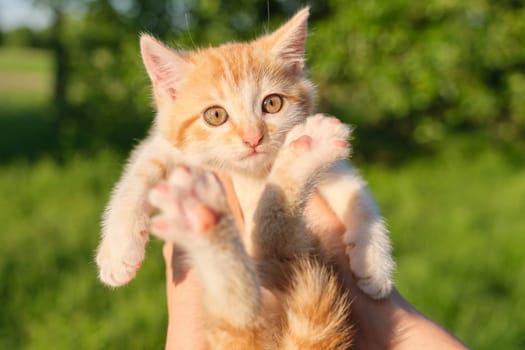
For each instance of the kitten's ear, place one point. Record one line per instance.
(165, 66)
(288, 42)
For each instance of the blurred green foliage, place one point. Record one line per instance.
(406, 73)
(422, 69)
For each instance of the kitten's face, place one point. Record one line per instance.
(230, 107)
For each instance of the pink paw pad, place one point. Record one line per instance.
(204, 218)
(303, 143)
(160, 225)
(162, 187)
(340, 144)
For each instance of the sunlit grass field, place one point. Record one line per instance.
(456, 219)
(25, 74)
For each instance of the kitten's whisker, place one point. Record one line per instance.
(188, 30)
(268, 14)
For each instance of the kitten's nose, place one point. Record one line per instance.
(252, 139)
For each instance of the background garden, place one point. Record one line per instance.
(435, 90)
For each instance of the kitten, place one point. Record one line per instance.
(228, 109)
(309, 311)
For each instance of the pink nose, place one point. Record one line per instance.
(253, 139)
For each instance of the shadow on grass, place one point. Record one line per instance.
(27, 133)
(32, 132)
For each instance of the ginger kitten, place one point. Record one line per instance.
(229, 109)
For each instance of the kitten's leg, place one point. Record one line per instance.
(125, 220)
(366, 237)
(309, 148)
(195, 216)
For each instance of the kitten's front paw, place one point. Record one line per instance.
(318, 142)
(371, 262)
(119, 256)
(191, 201)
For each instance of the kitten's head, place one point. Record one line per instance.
(229, 107)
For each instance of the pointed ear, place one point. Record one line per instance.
(288, 42)
(165, 66)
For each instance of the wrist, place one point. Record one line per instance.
(184, 315)
(184, 310)
(395, 324)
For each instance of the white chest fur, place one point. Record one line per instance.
(248, 190)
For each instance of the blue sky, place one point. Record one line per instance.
(14, 13)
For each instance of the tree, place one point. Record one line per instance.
(412, 71)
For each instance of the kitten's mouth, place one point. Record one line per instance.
(253, 153)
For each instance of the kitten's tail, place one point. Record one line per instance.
(317, 312)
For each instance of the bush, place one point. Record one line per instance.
(429, 67)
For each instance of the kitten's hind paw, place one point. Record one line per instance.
(191, 201)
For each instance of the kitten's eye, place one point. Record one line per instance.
(215, 116)
(272, 103)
